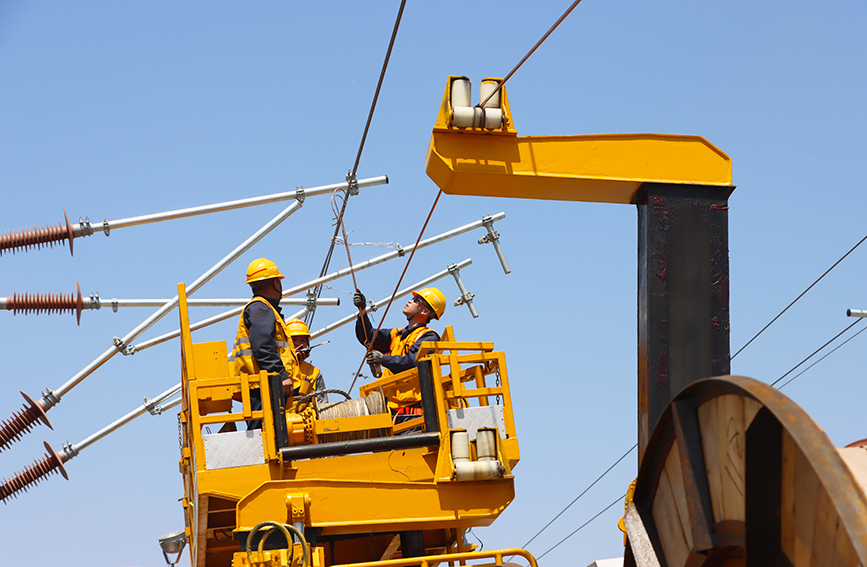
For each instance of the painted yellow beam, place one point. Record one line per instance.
(602, 168)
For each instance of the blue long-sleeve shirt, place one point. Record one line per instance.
(262, 328)
(382, 343)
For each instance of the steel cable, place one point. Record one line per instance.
(582, 526)
(394, 293)
(352, 173)
(799, 297)
(823, 358)
(529, 53)
(815, 352)
(580, 495)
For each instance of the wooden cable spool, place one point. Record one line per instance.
(736, 474)
(372, 404)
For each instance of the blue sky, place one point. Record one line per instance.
(112, 110)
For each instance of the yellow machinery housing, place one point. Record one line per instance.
(359, 489)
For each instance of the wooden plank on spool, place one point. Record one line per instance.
(806, 503)
(675, 478)
(730, 415)
(844, 553)
(710, 441)
(751, 408)
(787, 496)
(668, 525)
(825, 530)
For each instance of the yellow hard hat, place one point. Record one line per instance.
(262, 269)
(297, 328)
(434, 298)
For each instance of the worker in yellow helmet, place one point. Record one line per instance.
(310, 377)
(397, 349)
(263, 341)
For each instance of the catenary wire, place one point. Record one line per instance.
(636, 445)
(799, 297)
(499, 86)
(579, 528)
(580, 495)
(529, 53)
(397, 287)
(741, 349)
(817, 351)
(352, 173)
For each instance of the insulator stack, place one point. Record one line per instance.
(48, 303)
(21, 422)
(38, 237)
(32, 475)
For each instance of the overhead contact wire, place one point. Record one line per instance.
(339, 223)
(799, 297)
(823, 358)
(397, 287)
(815, 352)
(582, 526)
(529, 53)
(592, 484)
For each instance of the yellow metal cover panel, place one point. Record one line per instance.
(212, 360)
(605, 168)
(357, 423)
(356, 506)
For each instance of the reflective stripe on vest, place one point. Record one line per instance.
(400, 347)
(241, 359)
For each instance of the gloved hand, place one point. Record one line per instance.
(358, 299)
(374, 357)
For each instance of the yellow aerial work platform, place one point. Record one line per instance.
(353, 488)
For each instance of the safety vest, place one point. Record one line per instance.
(242, 360)
(309, 375)
(400, 347)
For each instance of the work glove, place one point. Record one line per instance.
(375, 357)
(358, 299)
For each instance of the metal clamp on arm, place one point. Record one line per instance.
(353, 183)
(299, 195)
(494, 238)
(466, 297)
(84, 227)
(124, 348)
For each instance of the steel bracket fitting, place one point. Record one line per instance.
(466, 297)
(400, 250)
(311, 301)
(105, 228)
(69, 451)
(494, 238)
(152, 407)
(299, 195)
(353, 183)
(84, 226)
(50, 398)
(95, 302)
(124, 348)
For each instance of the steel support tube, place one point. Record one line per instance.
(466, 296)
(231, 205)
(71, 450)
(385, 300)
(494, 238)
(856, 313)
(54, 397)
(360, 446)
(330, 277)
(97, 303)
